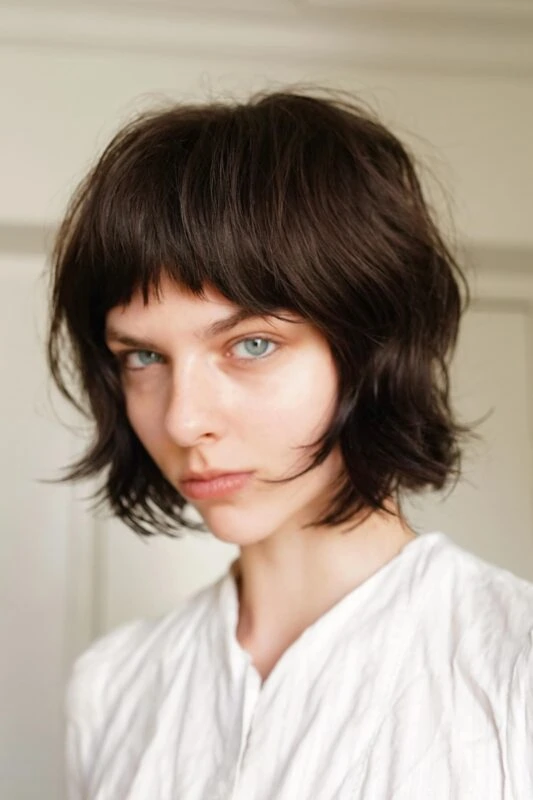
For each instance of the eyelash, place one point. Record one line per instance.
(125, 354)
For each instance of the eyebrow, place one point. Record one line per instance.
(216, 328)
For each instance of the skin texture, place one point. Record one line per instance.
(224, 402)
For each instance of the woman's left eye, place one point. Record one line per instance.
(255, 348)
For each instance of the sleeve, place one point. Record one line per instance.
(520, 723)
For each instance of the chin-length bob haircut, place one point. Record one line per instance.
(291, 200)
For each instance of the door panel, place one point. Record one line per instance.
(490, 512)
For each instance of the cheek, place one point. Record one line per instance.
(299, 406)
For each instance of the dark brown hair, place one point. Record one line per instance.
(288, 201)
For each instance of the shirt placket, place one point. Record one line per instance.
(252, 689)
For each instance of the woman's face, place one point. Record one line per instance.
(237, 400)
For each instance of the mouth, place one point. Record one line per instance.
(220, 486)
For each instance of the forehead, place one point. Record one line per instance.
(169, 291)
(176, 310)
(168, 299)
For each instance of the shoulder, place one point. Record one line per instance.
(471, 618)
(473, 622)
(486, 614)
(117, 686)
(477, 597)
(135, 656)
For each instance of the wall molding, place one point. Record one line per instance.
(475, 40)
(25, 239)
(499, 273)
(478, 257)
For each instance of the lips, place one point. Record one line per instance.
(217, 486)
(209, 474)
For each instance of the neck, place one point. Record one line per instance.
(286, 582)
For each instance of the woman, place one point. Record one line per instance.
(260, 313)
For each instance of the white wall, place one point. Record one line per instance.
(457, 83)
(475, 132)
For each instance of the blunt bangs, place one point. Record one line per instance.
(286, 202)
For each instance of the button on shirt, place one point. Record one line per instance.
(417, 684)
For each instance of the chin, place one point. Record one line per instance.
(233, 526)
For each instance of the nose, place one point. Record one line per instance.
(194, 408)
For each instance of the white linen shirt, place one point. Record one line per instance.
(417, 685)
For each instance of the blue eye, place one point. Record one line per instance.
(256, 347)
(139, 359)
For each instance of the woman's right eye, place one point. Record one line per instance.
(139, 359)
